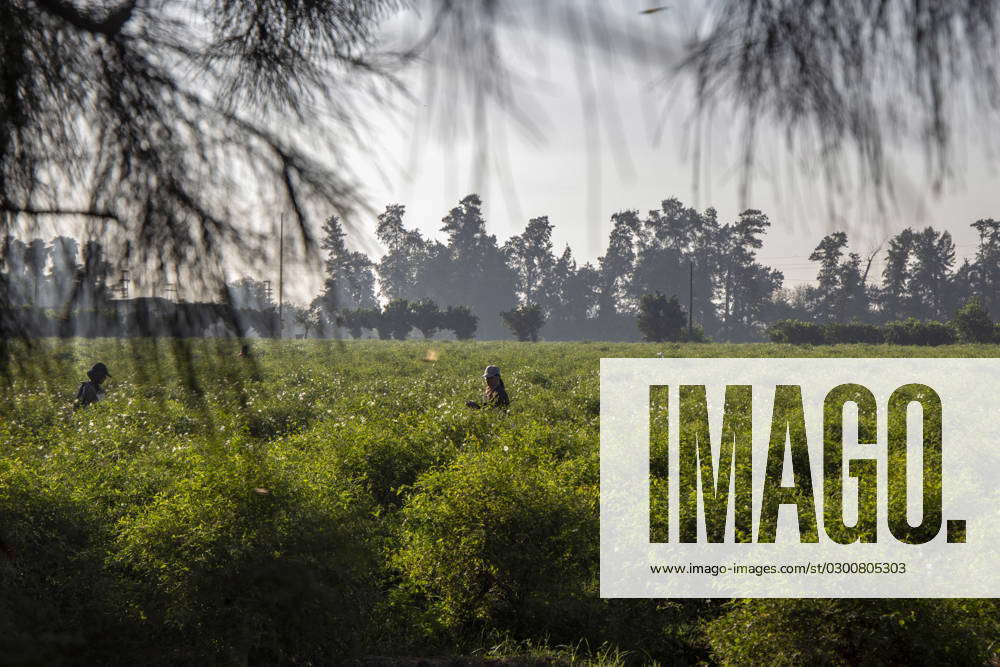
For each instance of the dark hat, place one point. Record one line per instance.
(98, 371)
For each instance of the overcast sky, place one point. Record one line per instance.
(631, 149)
(637, 153)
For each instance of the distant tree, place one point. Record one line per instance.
(405, 251)
(461, 321)
(12, 263)
(397, 318)
(247, 293)
(933, 258)
(746, 287)
(65, 267)
(94, 275)
(36, 258)
(986, 268)
(530, 258)
(355, 321)
(524, 321)
(477, 274)
(425, 316)
(307, 318)
(661, 319)
(973, 322)
(663, 250)
(350, 277)
(842, 293)
(894, 299)
(618, 263)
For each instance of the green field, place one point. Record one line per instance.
(328, 501)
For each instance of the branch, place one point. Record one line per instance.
(30, 210)
(110, 25)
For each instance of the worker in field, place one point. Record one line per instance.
(91, 391)
(495, 394)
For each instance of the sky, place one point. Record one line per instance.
(631, 151)
(622, 141)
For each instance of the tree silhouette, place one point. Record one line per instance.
(530, 258)
(350, 278)
(525, 321)
(425, 316)
(661, 319)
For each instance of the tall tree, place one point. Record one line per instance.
(479, 276)
(65, 267)
(618, 264)
(747, 287)
(986, 268)
(36, 258)
(350, 277)
(530, 257)
(405, 250)
(842, 294)
(933, 258)
(895, 291)
(94, 274)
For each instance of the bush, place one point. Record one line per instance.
(973, 322)
(59, 605)
(855, 332)
(912, 331)
(244, 564)
(850, 632)
(524, 322)
(503, 541)
(797, 332)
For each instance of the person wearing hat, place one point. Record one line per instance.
(90, 391)
(495, 394)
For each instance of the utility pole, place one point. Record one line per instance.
(281, 276)
(690, 298)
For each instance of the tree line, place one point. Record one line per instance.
(672, 260)
(675, 252)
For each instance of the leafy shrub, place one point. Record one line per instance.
(500, 540)
(242, 563)
(797, 332)
(59, 604)
(973, 322)
(912, 331)
(855, 332)
(850, 632)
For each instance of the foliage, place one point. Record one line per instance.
(460, 320)
(855, 332)
(912, 331)
(346, 503)
(661, 319)
(797, 333)
(488, 542)
(525, 321)
(425, 317)
(973, 322)
(851, 632)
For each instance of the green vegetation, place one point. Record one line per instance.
(324, 501)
